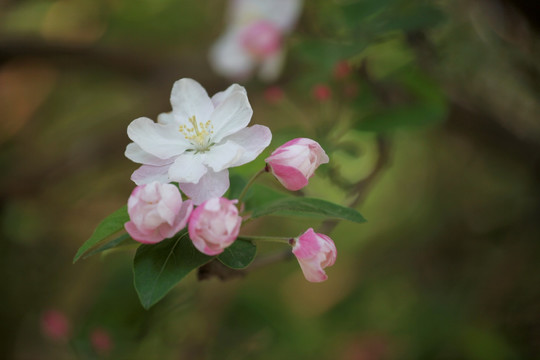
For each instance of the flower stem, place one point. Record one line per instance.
(250, 182)
(279, 239)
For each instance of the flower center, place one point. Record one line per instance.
(198, 134)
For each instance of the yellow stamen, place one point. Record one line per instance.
(198, 134)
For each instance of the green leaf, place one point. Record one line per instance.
(308, 207)
(356, 12)
(112, 224)
(159, 267)
(237, 183)
(259, 195)
(403, 117)
(239, 255)
(123, 239)
(325, 53)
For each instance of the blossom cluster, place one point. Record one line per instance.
(254, 38)
(190, 150)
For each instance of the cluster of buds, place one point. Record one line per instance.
(157, 211)
(198, 164)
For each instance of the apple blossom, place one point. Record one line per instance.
(254, 38)
(198, 141)
(294, 162)
(214, 225)
(314, 252)
(156, 212)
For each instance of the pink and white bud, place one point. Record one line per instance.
(156, 212)
(294, 162)
(214, 225)
(55, 325)
(314, 252)
(261, 39)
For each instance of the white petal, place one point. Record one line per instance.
(271, 66)
(187, 168)
(209, 186)
(229, 59)
(253, 140)
(189, 98)
(222, 156)
(232, 115)
(138, 155)
(219, 97)
(147, 174)
(166, 118)
(162, 141)
(283, 13)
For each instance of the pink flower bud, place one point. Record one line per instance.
(156, 212)
(55, 325)
(294, 162)
(314, 253)
(321, 92)
(101, 341)
(274, 94)
(214, 225)
(261, 39)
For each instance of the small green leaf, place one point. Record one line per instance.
(123, 239)
(110, 225)
(239, 255)
(308, 207)
(159, 267)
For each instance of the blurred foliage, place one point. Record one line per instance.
(447, 266)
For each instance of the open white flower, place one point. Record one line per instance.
(254, 38)
(198, 141)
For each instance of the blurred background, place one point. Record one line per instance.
(429, 111)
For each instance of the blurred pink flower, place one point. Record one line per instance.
(254, 38)
(321, 92)
(314, 252)
(55, 325)
(156, 212)
(198, 141)
(294, 162)
(214, 225)
(101, 341)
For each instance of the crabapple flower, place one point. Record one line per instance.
(198, 141)
(156, 212)
(254, 38)
(294, 162)
(214, 225)
(314, 252)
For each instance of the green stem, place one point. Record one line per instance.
(250, 182)
(279, 239)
